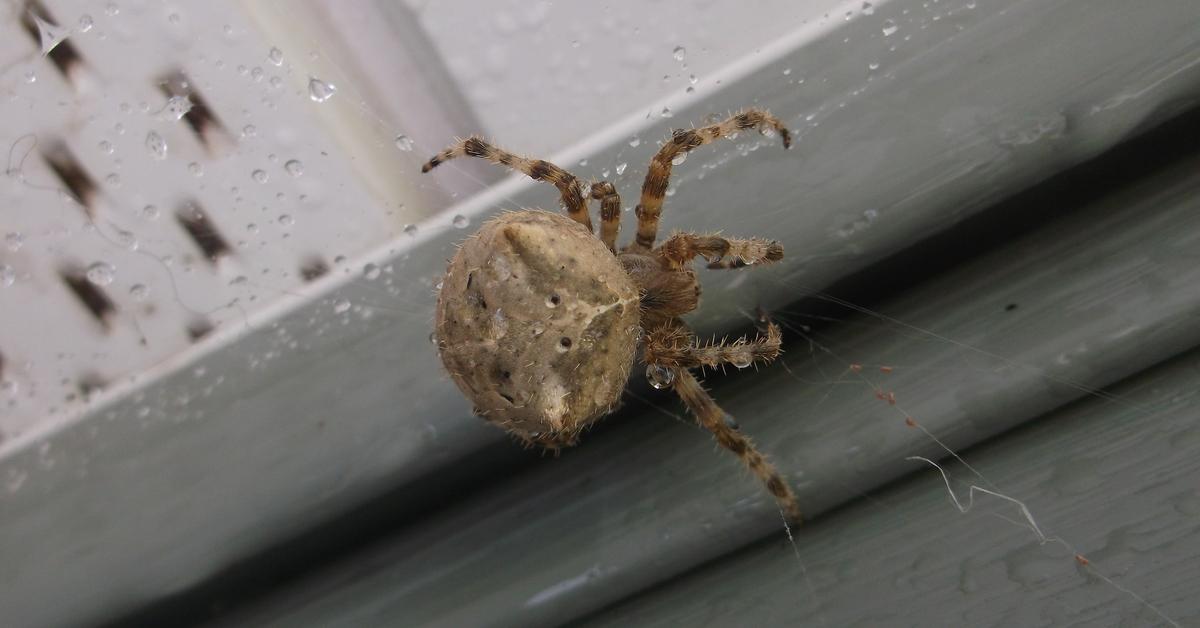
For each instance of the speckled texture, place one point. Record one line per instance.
(537, 323)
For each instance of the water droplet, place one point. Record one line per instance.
(889, 28)
(680, 53)
(127, 239)
(341, 306)
(259, 176)
(678, 159)
(150, 212)
(8, 275)
(294, 167)
(286, 220)
(139, 292)
(112, 10)
(176, 107)
(14, 241)
(659, 376)
(410, 230)
(621, 168)
(868, 9)
(30, 77)
(113, 180)
(635, 142)
(85, 23)
(156, 145)
(666, 112)
(173, 18)
(101, 273)
(371, 272)
(275, 56)
(196, 169)
(460, 221)
(575, 43)
(742, 360)
(256, 74)
(320, 91)
(693, 80)
(249, 130)
(50, 35)
(872, 66)
(404, 142)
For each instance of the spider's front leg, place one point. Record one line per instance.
(537, 169)
(675, 347)
(680, 249)
(713, 418)
(654, 189)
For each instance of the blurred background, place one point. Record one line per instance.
(219, 401)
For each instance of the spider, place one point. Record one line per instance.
(538, 321)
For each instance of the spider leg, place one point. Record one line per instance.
(713, 418)
(654, 189)
(681, 248)
(610, 212)
(537, 169)
(676, 347)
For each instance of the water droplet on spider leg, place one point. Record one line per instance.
(731, 422)
(460, 221)
(741, 360)
(275, 56)
(659, 376)
(156, 145)
(101, 273)
(176, 108)
(404, 142)
(320, 91)
(679, 159)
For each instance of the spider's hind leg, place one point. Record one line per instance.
(675, 347)
(537, 169)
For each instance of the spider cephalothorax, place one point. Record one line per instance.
(539, 321)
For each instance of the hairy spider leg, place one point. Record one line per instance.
(654, 189)
(712, 418)
(610, 212)
(537, 169)
(676, 347)
(681, 248)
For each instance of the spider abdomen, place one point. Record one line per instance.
(537, 323)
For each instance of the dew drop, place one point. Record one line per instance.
(249, 130)
(156, 145)
(101, 273)
(341, 306)
(275, 56)
(294, 167)
(113, 179)
(127, 239)
(320, 91)
(680, 53)
(621, 168)
(259, 176)
(150, 212)
(371, 272)
(678, 159)
(635, 142)
(460, 221)
(112, 10)
(693, 80)
(50, 35)
(85, 23)
(404, 142)
(889, 28)
(868, 8)
(139, 292)
(665, 113)
(105, 147)
(176, 108)
(173, 18)
(196, 169)
(286, 220)
(659, 376)
(30, 77)
(872, 66)
(14, 241)
(410, 230)
(8, 275)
